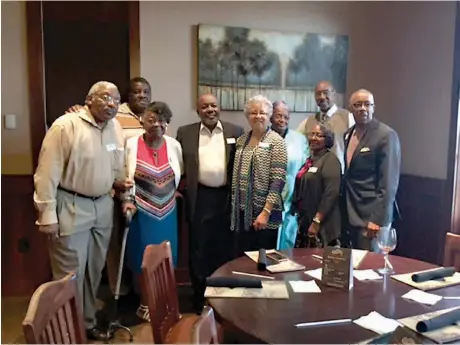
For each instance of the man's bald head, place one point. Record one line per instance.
(208, 110)
(362, 106)
(324, 95)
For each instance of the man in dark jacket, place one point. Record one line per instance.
(208, 149)
(373, 159)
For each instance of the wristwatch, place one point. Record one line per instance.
(316, 220)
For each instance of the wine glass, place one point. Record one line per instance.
(386, 240)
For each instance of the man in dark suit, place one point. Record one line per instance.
(208, 149)
(373, 159)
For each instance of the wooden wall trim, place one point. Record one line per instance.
(35, 76)
(452, 192)
(134, 39)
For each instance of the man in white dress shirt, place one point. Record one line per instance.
(339, 119)
(208, 149)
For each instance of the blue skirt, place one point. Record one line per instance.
(146, 229)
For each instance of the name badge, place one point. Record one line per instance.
(264, 145)
(111, 147)
(231, 141)
(312, 170)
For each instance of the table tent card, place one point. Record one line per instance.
(337, 268)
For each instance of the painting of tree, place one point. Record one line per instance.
(236, 63)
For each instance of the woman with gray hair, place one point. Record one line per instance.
(259, 176)
(316, 192)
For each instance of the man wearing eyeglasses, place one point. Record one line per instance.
(80, 159)
(373, 159)
(338, 119)
(129, 114)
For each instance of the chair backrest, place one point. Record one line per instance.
(54, 315)
(204, 330)
(159, 287)
(452, 251)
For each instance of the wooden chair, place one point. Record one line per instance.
(159, 287)
(54, 315)
(452, 251)
(204, 330)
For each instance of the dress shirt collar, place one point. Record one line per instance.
(125, 109)
(218, 126)
(86, 115)
(331, 111)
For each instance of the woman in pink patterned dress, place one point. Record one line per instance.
(154, 162)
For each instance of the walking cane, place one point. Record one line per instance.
(114, 324)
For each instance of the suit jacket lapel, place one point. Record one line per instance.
(227, 134)
(346, 142)
(195, 143)
(365, 139)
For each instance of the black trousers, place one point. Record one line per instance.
(211, 242)
(252, 240)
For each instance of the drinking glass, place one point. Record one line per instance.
(386, 240)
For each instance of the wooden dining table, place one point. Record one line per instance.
(273, 321)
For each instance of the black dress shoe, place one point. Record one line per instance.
(94, 334)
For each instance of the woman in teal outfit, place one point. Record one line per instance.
(297, 149)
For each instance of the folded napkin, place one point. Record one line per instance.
(377, 323)
(422, 297)
(366, 275)
(446, 319)
(304, 286)
(232, 282)
(433, 274)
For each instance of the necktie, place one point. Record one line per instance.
(322, 117)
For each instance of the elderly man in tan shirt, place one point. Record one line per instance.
(80, 160)
(129, 114)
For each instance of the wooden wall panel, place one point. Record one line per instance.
(425, 218)
(25, 261)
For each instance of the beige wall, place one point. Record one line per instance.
(169, 60)
(409, 67)
(16, 143)
(402, 51)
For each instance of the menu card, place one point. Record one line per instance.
(338, 267)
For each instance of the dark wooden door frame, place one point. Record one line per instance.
(35, 66)
(452, 198)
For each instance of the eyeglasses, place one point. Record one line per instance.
(359, 105)
(255, 113)
(109, 99)
(314, 134)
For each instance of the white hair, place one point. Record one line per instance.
(259, 99)
(101, 85)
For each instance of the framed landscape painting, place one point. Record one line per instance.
(235, 64)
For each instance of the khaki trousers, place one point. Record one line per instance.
(85, 228)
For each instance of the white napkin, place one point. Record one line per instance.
(366, 275)
(422, 297)
(377, 323)
(317, 274)
(304, 286)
